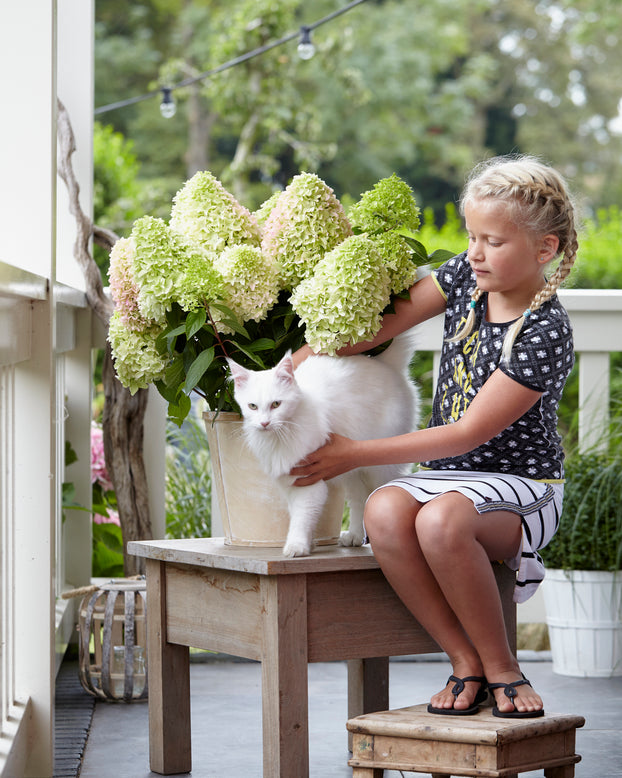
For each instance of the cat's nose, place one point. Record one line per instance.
(264, 424)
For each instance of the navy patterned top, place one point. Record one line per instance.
(541, 359)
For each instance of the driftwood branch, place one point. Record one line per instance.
(123, 416)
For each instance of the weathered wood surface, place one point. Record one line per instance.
(479, 745)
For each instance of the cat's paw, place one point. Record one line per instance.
(350, 538)
(296, 548)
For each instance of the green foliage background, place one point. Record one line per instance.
(422, 90)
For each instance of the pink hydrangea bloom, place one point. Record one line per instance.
(123, 286)
(112, 518)
(99, 473)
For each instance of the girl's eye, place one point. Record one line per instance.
(275, 404)
(252, 406)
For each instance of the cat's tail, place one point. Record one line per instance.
(400, 351)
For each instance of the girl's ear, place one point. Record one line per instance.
(238, 373)
(285, 369)
(549, 246)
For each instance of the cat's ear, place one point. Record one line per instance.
(285, 369)
(238, 373)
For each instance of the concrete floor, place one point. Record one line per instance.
(226, 719)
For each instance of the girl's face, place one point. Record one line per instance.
(505, 258)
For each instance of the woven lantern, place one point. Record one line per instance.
(112, 641)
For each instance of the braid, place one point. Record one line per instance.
(538, 201)
(467, 327)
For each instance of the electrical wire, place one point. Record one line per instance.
(230, 64)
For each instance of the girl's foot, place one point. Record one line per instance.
(461, 696)
(515, 698)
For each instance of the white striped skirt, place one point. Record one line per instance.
(538, 503)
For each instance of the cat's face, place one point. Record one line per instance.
(267, 398)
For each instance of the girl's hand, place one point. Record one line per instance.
(330, 460)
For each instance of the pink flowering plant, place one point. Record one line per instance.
(107, 536)
(218, 280)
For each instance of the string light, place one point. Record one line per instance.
(306, 49)
(167, 105)
(168, 109)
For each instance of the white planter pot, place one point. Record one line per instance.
(252, 510)
(584, 617)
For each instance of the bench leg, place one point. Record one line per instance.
(368, 687)
(284, 677)
(565, 771)
(169, 685)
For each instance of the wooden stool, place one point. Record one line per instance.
(414, 740)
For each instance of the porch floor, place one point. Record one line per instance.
(226, 718)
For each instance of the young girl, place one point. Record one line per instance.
(492, 479)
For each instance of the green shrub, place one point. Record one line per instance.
(188, 480)
(599, 260)
(590, 532)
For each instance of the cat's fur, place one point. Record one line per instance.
(288, 414)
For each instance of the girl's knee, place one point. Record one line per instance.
(389, 512)
(446, 522)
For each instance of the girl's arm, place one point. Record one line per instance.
(497, 405)
(425, 301)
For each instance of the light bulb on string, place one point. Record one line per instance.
(306, 49)
(167, 106)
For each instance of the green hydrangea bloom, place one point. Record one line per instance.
(306, 222)
(266, 208)
(251, 283)
(168, 269)
(136, 359)
(389, 204)
(205, 213)
(342, 302)
(397, 259)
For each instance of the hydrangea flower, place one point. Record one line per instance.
(123, 286)
(342, 302)
(266, 208)
(306, 222)
(167, 269)
(206, 214)
(99, 471)
(397, 259)
(137, 360)
(389, 204)
(251, 283)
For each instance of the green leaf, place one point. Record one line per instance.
(179, 330)
(440, 255)
(178, 411)
(198, 368)
(253, 357)
(70, 454)
(194, 322)
(174, 374)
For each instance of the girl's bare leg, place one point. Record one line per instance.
(437, 558)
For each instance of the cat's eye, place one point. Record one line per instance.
(252, 406)
(275, 404)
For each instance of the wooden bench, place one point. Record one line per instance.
(414, 740)
(252, 602)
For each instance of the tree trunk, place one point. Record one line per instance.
(123, 426)
(123, 413)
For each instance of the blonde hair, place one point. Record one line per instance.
(538, 201)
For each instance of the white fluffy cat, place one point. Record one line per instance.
(288, 414)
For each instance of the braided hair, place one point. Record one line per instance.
(538, 201)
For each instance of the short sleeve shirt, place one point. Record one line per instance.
(541, 359)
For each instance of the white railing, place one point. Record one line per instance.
(40, 335)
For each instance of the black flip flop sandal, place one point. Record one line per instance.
(457, 689)
(509, 689)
